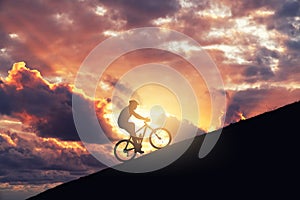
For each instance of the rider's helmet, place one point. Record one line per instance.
(133, 102)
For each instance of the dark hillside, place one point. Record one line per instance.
(257, 158)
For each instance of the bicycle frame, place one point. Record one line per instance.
(145, 127)
(120, 153)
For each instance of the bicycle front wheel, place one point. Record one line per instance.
(160, 137)
(124, 150)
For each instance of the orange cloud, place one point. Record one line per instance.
(45, 107)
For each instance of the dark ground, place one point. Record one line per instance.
(257, 158)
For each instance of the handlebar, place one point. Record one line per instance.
(145, 121)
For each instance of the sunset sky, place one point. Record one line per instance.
(254, 43)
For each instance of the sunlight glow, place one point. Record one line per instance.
(149, 95)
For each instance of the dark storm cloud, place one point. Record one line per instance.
(285, 21)
(52, 116)
(289, 9)
(243, 102)
(254, 101)
(141, 12)
(47, 109)
(285, 17)
(260, 70)
(255, 73)
(23, 164)
(289, 67)
(294, 44)
(264, 56)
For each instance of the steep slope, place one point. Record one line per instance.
(257, 157)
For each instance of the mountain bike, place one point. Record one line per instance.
(159, 137)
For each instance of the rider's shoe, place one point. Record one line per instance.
(140, 151)
(138, 148)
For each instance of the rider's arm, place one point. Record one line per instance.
(138, 116)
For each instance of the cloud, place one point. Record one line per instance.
(285, 18)
(35, 160)
(289, 9)
(255, 73)
(64, 33)
(52, 35)
(242, 8)
(47, 108)
(265, 56)
(113, 82)
(254, 101)
(294, 44)
(140, 12)
(27, 96)
(253, 41)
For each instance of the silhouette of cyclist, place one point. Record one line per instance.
(123, 123)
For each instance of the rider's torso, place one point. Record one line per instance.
(124, 116)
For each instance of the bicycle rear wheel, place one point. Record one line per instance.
(160, 137)
(124, 150)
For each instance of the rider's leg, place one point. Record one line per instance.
(130, 128)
